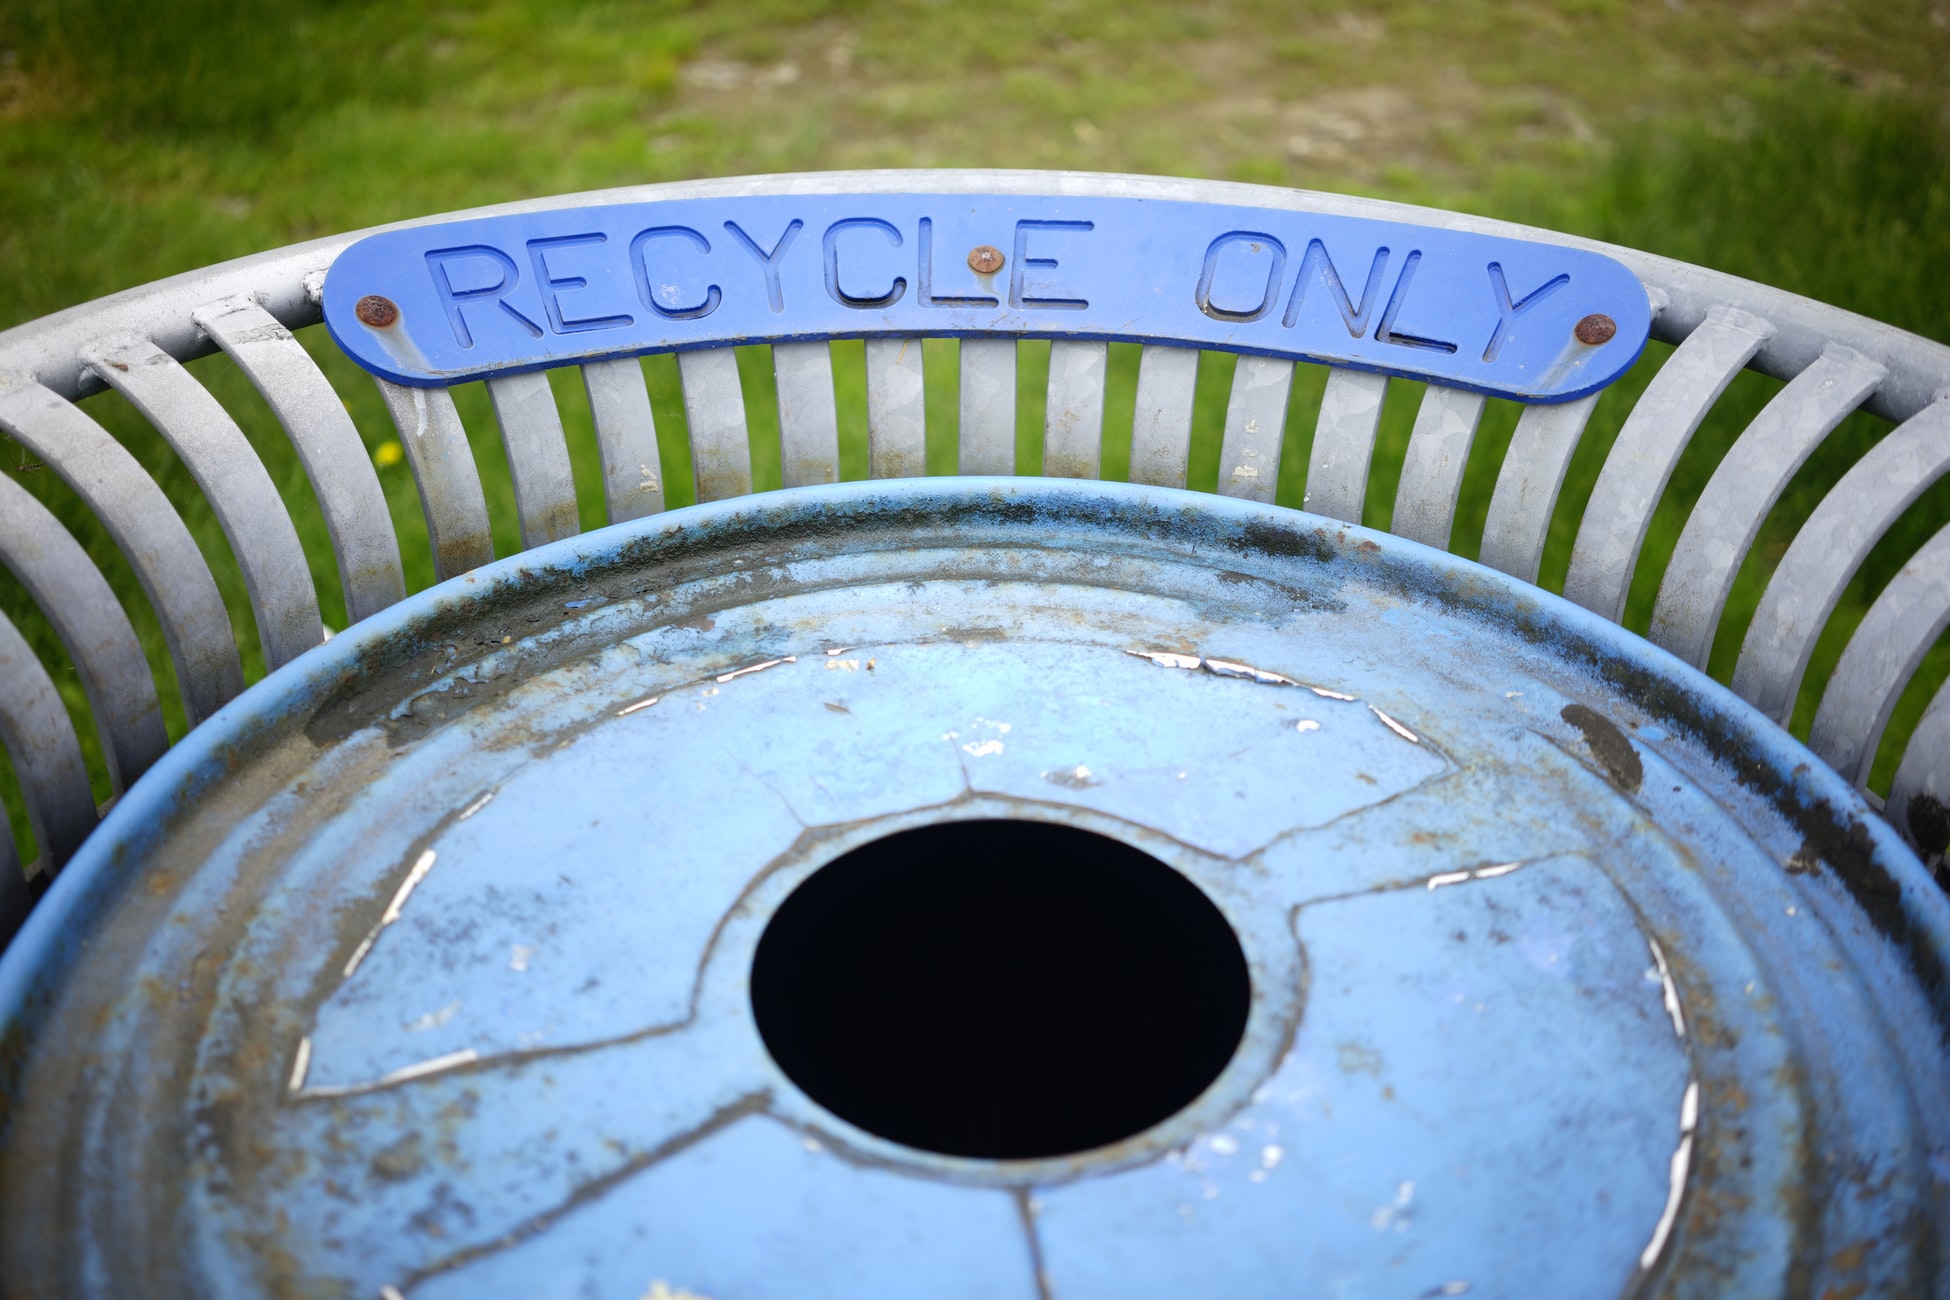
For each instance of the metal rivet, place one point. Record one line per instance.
(380, 312)
(1596, 328)
(984, 259)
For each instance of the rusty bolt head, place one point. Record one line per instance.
(1595, 328)
(380, 312)
(984, 260)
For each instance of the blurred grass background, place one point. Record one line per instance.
(1797, 142)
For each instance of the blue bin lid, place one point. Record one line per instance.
(423, 968)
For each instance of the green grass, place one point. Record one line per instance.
(1804, 146)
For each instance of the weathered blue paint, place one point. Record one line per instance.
(1448, 815)
(496, 295)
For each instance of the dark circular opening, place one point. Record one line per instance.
(1001, 989)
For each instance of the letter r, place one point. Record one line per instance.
(452, 298)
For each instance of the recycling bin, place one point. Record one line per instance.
(985, 885)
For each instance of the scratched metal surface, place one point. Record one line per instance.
(421, 968)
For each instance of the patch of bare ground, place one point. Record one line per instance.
(1232, 108)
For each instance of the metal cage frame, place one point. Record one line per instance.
(1834, 362)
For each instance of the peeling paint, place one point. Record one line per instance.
(1166, 659)
(1227, 668)
(1398, 1214)
(405, 1074)
(1072, 778)
(407, 886)
(1395, 726)
(1676, 1177)
(1669, 989)
(1480, 873)
(476, 806)
(392, 912)
(755, 668)
(300, 1066)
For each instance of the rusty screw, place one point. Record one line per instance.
(984, 260)
(1595, 328)
(380, 312)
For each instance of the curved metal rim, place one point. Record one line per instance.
(56, 933)
(282, 280)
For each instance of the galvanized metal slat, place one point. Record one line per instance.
(1885, 652)
(1161, 424)
(988, 406)
(1073, 416)
(239, 490)
(1432, 472)
(1829, 549)
(1337, 470)
(46, 756)
(443, 467)
(1649, 445)
(1919, 797)
(714, 403)
(897, 436)
(809, 421)
(626, 438)
(328, 445)
(1744, 487)
(1532, 474)
(149, 533)
(538, 457)
(1249, 454)
(74, 597)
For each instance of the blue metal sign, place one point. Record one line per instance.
(442, 304)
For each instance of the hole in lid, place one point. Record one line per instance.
(1000, 989)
